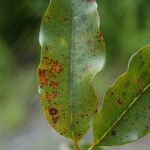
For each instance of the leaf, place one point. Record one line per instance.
(73, 51)
(125, 114)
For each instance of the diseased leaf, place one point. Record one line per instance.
(125, 114)
(73, 51)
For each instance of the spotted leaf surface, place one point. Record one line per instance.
(73, 51)
(125, 114)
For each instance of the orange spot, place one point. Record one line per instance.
(56, 67)
(51, 96)
(43, 79)
(54, 85)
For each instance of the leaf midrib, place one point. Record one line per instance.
(71, 77)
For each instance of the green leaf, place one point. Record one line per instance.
(125, 114)
(73, 51)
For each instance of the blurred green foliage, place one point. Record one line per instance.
(126, 28)
(19, 51)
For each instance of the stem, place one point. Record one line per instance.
(77, 147)
(92, 147)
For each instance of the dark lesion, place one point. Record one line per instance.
(53, 112)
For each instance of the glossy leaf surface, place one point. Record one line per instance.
(125, 115)
(73, 51)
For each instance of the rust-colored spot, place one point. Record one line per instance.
(54, 85)
(119, 101)
(141, 87)
(55, 119)
(56, 68)
(51, 96)
(43, 79)
(101, 39)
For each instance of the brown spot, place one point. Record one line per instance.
(147, 128)
(94, 95)
(53, 112)
(46, 48)
(82, 116)
(112, 93)
(46, 58)
(113, 133)
(148, 107)
(120, 102)
(55, 119)
(66, 18)
(56, 68)
(77, 122)
(47, 17)
(51, 96)
(141, 87)
(54, 85)
(101, 39)
(96, 111)
(63, 18)
(133, 124)
(43, 79)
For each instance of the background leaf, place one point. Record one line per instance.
(73, 51)
(124, 116)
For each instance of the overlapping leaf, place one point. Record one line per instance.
(73, 51)
(125, 115)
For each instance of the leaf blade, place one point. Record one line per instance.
(73, 51)
(121, 97)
